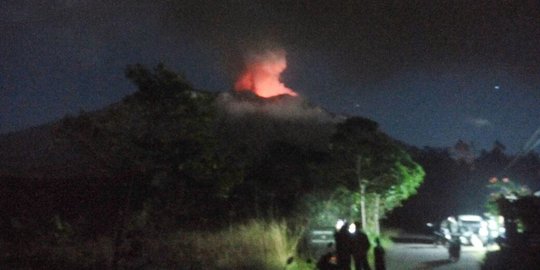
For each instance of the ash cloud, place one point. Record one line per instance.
(282, 107)
(262, 74)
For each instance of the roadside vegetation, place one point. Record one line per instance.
(185, 183)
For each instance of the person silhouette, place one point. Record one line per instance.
(343, 247)
(359, 247)
(379, 255)
(454, 248)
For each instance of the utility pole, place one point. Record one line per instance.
(377, 212)
(362, 185)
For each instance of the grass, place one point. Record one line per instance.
(256, 244)
(252, 245)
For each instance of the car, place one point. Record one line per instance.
(473, 230)
(319, 241)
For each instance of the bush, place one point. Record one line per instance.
(257, 244)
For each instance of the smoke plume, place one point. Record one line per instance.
(262, 74)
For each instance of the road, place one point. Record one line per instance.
(403, 256)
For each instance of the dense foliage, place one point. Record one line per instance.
(173, 159)
(359, 154)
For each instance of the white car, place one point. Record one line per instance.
(473, 229)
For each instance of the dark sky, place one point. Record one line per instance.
(430, 72)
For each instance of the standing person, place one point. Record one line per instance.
(379, 256)
(360, 247)
(454, 248)
(343, 247)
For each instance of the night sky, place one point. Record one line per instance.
(430, 72)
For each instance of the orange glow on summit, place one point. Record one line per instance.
(262, 75)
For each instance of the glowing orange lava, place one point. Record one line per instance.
(262, 75)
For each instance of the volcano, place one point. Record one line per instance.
(243, 118)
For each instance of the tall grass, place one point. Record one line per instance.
(256, 244)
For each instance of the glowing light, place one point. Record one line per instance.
(474, 218)
(352, 228)
(339, 224)
(262, 75)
